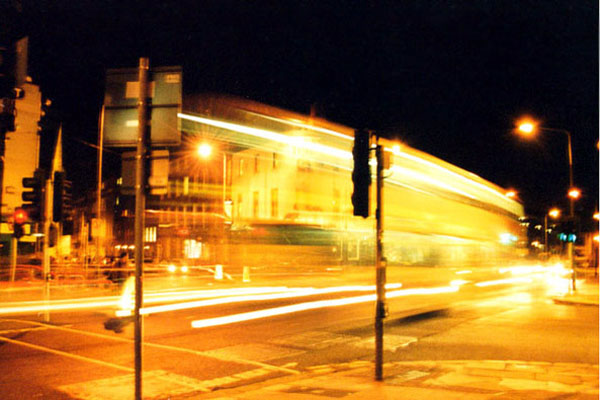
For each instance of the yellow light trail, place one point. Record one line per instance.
(271, 312)
(504, 281)
(291, 293)
(265, 134)
(112, 301)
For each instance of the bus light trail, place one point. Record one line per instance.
(271, 312)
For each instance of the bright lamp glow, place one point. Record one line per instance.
(204, 150)
(574, 193)
(554, 213)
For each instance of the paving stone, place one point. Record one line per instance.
(500, 373)
(496, 365)
(526, 367)
(561, 378)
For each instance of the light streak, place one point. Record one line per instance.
(306, 126)
(466, 271)
(271, 312)
(292, 293)
(504, 281)
(112, 301)
(276, 137)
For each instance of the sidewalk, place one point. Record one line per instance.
(430, 380)
(586, 294)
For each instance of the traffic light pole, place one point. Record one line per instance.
(380, 267)
(47, 201)
(13, 257)
(140, 204)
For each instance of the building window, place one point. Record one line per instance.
(255, 204)
(241, 170)
(186, 185)
(275, 160)
(274, 203)
(256, 164)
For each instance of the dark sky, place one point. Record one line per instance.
(446, 77)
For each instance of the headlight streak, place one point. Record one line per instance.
(292, 293)
(112, 301)
(504, 281)
(271, 312)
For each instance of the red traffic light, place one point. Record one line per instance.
(20, 216)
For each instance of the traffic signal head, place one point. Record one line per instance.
(63, 204)
(33, 197)
(361, 174)
(19, 219)
(568, 231)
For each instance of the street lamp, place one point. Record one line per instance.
(204, 150)
(528, 128)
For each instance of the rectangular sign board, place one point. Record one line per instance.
(120, 123)
(158, 176)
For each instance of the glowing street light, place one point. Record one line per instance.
(574, 193)
(554, 213)
(511, 194)
(204, 150)
(527, 128)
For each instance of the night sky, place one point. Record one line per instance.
(446, 77)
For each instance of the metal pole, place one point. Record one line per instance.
(47, 199)
(571, 208)
(13, 257)
(546, 247)
(380, 267)
(140, 200)
(99, 190)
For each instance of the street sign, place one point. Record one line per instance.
(120, 123)
(158, 178)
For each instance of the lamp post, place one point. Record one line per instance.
(528, 128)
(553, 213)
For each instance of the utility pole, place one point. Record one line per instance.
(380, 268)
(46, 217)
(99, 192)
(140, 204)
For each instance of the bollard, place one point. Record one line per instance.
(246, 274)
(218, 272)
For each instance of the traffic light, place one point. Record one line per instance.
(19, 219)
(63, 198)
(361, 174)
(34, 198)
(568, 231)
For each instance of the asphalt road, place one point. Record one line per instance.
(74, 356)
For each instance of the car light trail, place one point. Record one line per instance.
(112, 301)
(291, 293)
(271, 312)
(504, 281)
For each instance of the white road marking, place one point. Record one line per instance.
(65, 354)
(220, 357)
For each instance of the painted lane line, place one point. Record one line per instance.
(65, 354)
(163, 346)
